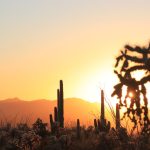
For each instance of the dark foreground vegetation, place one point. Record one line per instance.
(38, 137)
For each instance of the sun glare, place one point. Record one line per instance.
(92, 84)
(130, 94)
(91, 91)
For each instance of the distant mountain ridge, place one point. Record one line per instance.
(17, 110)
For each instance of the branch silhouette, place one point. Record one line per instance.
(135, 109)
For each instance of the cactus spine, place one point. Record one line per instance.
(117, 116)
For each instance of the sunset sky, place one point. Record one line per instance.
(43, 41)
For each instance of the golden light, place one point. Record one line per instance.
(91, 87)
(130, 94)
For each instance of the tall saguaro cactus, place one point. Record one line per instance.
(58, 105)
(117, 116)
(103, 124)
(61, 104)
(78, 129)
(102, 108)
(59, 110)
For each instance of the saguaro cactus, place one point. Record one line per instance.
(51, 122)
(58, 105)
(78, 129)
(61, 104)
(102, 106)
(102, 118)
(55, 114)
(99, 124)
(108, 126)
(103, 124)
(117, 116)
(95, 124)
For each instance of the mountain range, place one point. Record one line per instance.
(16, 110)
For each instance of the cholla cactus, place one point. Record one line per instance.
(30, 140)
(19, 139)
(40, 128)
(137, 107)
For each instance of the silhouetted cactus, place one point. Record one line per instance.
(58, 105)
(102, 116)
(102, 106)
(104, 126)
(99, 124)
(55, 114)
(108, 126)
(61, 104)
(78, 129)
(95, 124)
(51, 123)
(117, 116)
(134, 59)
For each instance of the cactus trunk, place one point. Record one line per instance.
(55, 114)
(78, 129)
(61, 105)
(102, 106)
(102, 118)
(95, 123)
(51, 122)
(58, 105)
(117, 116)
(99, 124)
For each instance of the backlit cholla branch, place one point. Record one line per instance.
(131, 62)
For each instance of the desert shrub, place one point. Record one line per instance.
(40, 128)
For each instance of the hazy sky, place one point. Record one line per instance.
(43, 41)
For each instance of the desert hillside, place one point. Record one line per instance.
(15, 110)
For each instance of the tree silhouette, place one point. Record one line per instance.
(128, 63)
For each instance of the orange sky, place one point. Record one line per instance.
(77, 41)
